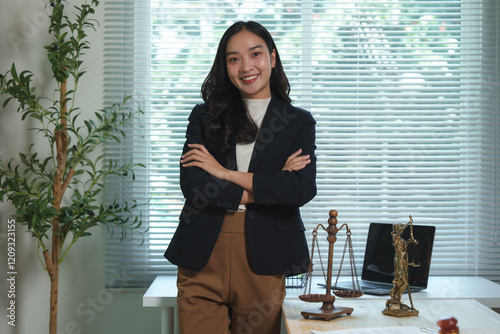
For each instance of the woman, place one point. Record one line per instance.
(248, 164)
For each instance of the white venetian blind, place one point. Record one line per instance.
(404, 97)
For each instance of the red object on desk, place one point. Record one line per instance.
(448, 325)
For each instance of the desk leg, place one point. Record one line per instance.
(167, 320)
(175, 321)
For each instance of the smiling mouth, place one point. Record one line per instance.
(249, 79)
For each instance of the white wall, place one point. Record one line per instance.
(85, 306)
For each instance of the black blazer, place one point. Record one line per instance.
(275, 231)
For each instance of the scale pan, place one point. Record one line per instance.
(317, 298)
(348, 293)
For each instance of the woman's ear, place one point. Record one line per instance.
(273, 58)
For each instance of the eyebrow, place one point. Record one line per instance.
(251, 49)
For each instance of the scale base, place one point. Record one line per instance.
(327, 312)
(399, 310)
(400, 314)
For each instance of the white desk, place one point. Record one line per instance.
(473, 317)
(440, 287)
(163, 293)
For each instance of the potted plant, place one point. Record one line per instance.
(58, 196)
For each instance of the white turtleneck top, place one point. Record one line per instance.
(256, 109)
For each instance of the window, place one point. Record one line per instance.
(405, 94)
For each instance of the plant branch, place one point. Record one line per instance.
(44, 248)
(48, 262)
(67, 180)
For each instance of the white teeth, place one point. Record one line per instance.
(250, 77)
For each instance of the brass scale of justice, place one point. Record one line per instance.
(394, 306)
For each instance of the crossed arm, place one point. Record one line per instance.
(199, 156)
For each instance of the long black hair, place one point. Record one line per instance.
(227, 112)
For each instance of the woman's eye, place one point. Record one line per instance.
(256, 54)
(232, 60)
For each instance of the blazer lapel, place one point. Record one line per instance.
(230, 157)
(273, 123)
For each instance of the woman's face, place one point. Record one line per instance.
(249, 65)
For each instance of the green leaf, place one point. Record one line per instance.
(7, 101)
(81, 74)
(23, 158)
(89, 126)
(98, 115)
(32, 223)
(13, 72)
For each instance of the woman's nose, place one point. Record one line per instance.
(246, 65)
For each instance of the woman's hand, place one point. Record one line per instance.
(199, 156)
(296, 161)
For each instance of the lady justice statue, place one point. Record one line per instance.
(394, 306)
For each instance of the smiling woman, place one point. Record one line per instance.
(232, 241)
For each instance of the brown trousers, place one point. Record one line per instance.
(227, 296)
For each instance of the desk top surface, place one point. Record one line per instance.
(439, 287)
(163, 291)
(472, 316)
